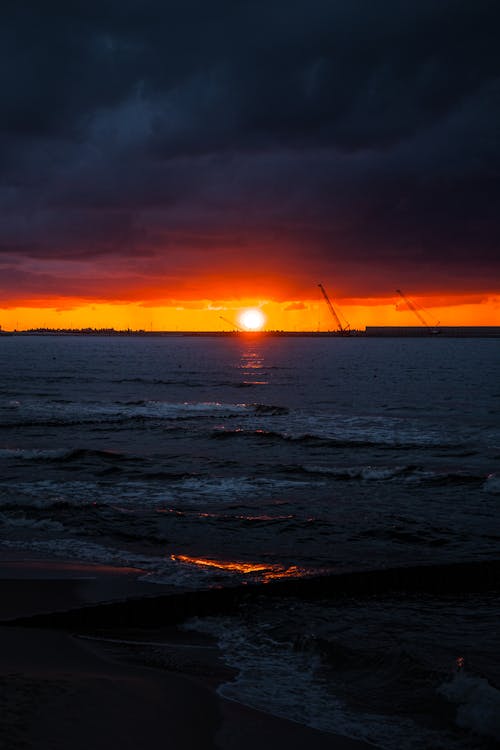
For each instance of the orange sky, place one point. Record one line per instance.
(291, 315)
(185, 165)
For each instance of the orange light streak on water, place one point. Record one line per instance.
(268, 571)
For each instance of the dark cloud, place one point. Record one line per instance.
(349, 138)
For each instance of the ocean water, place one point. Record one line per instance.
(208, 461)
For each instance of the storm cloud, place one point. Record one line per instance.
(348, 140)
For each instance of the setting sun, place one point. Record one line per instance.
(252, 320)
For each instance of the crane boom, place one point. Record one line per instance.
(341, 328)
(230, 322)
(415, 310)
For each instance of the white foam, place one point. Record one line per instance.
(381, 430)
(167, 409)
(478, 703)
(368, 473)
(33, 453)
(88, 411)
(492, 484)
(274, 678)
(141, 494)
(233, 487)
(392, 431)
(45, 494)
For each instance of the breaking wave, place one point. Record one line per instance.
(478, 703)
(51, 454)
(60, 413)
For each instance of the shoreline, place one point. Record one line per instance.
(59, 690)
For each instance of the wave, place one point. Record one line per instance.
(427, 537)
(269, 410)
(245, 518)
(159, 381)
(232, 488)
(190, 489)
(61, 454)
(33, 454)
(292, 684)
(408, 473)
(366, 473)
(61, 413)
(37, 524)
(478, 703)
(223, 433)
(260, 421)
(169, 409)
(395, 662)
(55, 502)
(492, 484)
(186, 383)
(339, 430)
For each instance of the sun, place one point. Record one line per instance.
(252, 320)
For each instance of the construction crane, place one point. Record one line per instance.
(343, 330)
(230, 322)
(418, 312)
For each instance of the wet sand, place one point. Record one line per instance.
(60, 690)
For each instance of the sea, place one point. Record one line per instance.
(208, 462)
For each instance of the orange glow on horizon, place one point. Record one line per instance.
(281, 315)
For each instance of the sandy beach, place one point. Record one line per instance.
(61, 689)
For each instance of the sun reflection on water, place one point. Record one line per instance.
(267, 571)
(252, 359)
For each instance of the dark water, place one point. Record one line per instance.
(205, 461)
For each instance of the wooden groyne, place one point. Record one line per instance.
(173, 608)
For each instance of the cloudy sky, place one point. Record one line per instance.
(163, 153)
